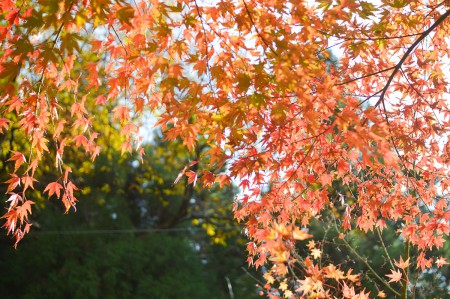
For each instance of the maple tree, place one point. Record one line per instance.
(257, 83)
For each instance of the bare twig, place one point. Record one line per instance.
(384, 247)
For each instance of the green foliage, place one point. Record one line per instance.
(87, 266)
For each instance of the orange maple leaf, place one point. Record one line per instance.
(28, 182)
(192, 177)
(19, 159)
(300, 234)
(53, 188)
(4, 124)
(13, 182)
(395, 276)
(402, 264)
(441, 262)
(24, 210)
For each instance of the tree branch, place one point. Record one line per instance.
(384, 248)
(408, 52)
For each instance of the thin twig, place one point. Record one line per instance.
(252, 276)
(384, 247)
(120, 40)
(365, 76)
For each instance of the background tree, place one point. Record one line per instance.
(118, 243)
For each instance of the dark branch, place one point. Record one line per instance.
(369, 38)
(408, 52)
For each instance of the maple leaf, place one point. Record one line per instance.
(121, 113)
(19, 159)
(13, 183)
(441, 261)
(14, 200)
(262, 86)
(208, 179)
(311, 245)
(352, 277)
(125, 14)
(423, 262)
(11, 220)
(139, 104)
(68, 199)
(4, 124)
(269, 278)
(316, 253)
(129, 129)
(395, 276)
(348, 292)
(40, 142)
(402, 264)
(300, 234)
(24, 209)
(287, 294)
(53, 188)
(283, 286)
(192, 177)
(28, 182)
(80, 140)
(100, 100)
(66, 174)
(27, 227)
(126, 147)
(59, 128)
(32, 166)
(334, 273)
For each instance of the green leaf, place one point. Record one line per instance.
(126, 14)
(243, 82)
(367, 9)
(325, 4)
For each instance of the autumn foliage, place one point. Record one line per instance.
(256, 81)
